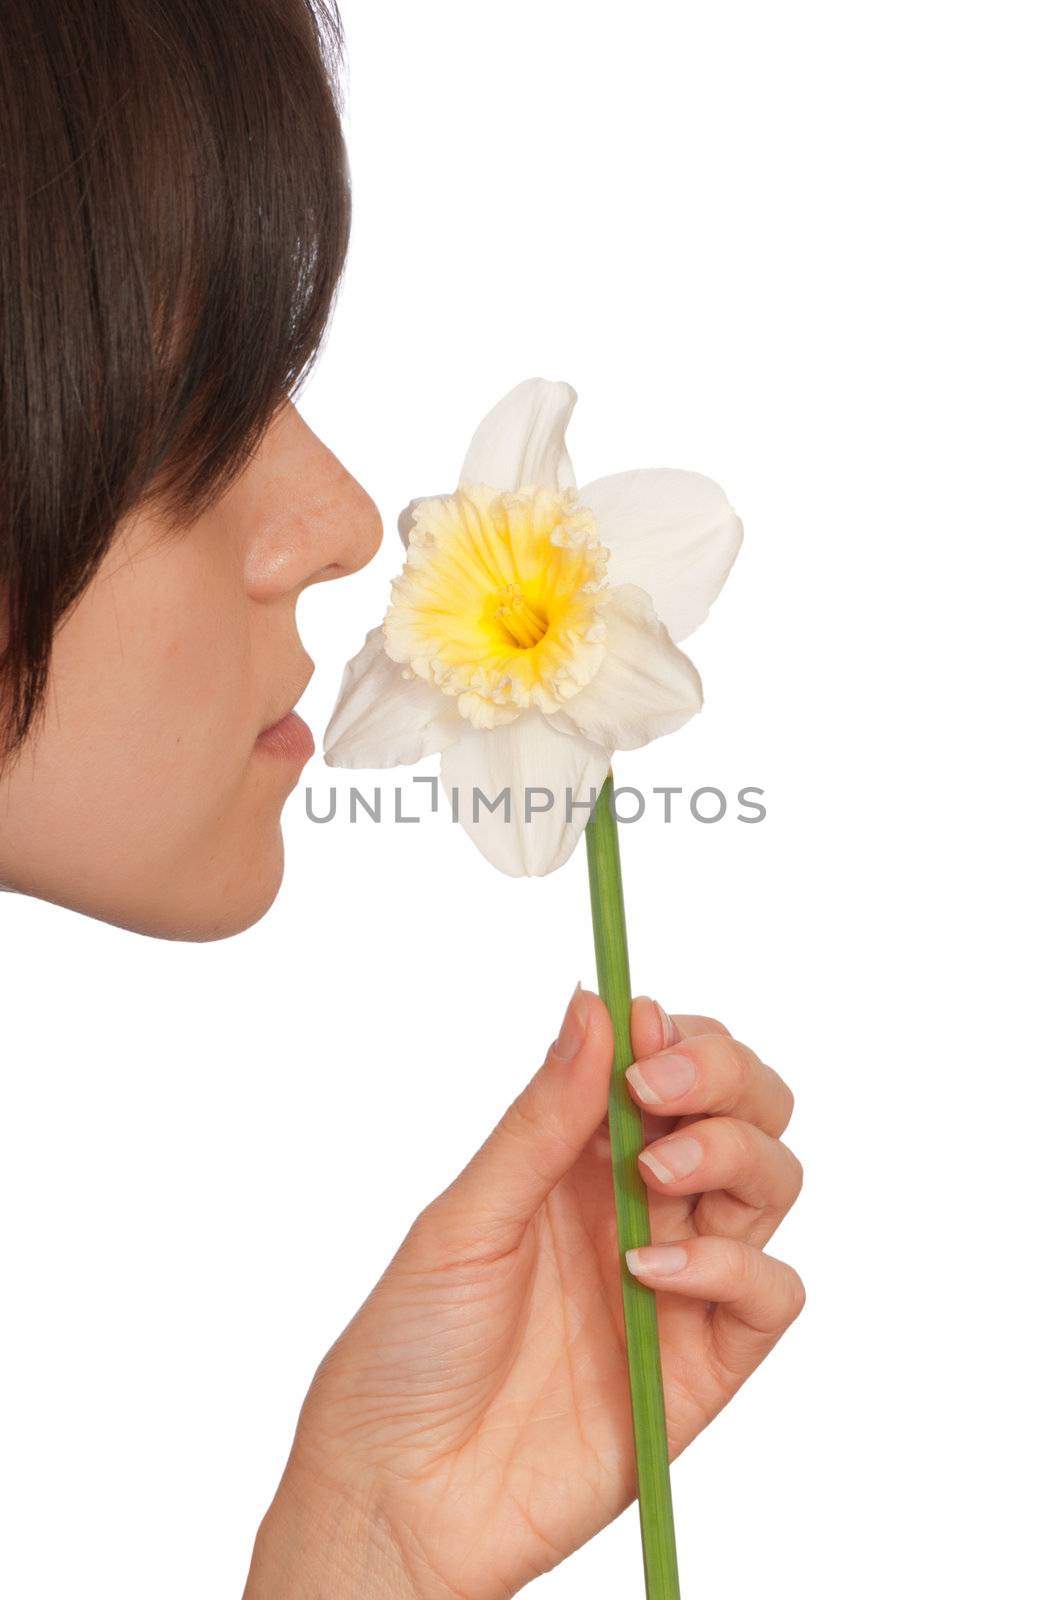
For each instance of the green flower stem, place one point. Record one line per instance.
(632, 1209)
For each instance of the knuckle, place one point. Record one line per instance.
(735, 1262)
(424, 1236)
(786, 1103)
(694, 1024)
(795, 1296)
(797, 1170)
(733, 1069)
(741, 1151)
(532, 1117)
(519, 1118)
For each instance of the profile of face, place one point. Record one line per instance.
(150, 792)
(175, 215)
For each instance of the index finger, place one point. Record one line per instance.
(703, 1072)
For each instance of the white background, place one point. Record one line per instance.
(812, 251)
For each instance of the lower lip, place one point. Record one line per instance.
(289, 740)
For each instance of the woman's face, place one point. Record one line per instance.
(150, 794)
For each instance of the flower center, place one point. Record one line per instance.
(524, 625)
(499, 601)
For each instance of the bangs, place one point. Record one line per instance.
(176, 212)
(245, 184)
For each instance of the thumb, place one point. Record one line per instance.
(539, 1137)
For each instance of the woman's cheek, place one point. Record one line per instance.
(155, 670)
(141, 789)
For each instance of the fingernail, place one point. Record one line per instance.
(573, 1027)
(669, 1031)
(661, 1078)
(656, 1259)
(673, 1158)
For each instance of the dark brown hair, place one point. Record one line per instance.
(175, 216)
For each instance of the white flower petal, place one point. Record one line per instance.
(406, 514)
(645, 686)
(522, 441)
(383, 719)
(526, 755)
(671, 532)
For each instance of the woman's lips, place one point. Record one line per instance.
(289, 739)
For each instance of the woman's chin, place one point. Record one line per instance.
(219, 908)
(197, 905)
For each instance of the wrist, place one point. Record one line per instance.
(321, 1544)
(327, 1540)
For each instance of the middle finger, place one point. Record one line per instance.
(724, 1153)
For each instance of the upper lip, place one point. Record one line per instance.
(293, 701)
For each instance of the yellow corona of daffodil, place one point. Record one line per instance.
(533, 629)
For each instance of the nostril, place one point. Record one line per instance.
(334, 569)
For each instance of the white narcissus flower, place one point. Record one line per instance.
(533, 629)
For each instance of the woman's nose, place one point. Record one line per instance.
(308, 518)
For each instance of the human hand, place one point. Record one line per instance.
(472, 1426)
